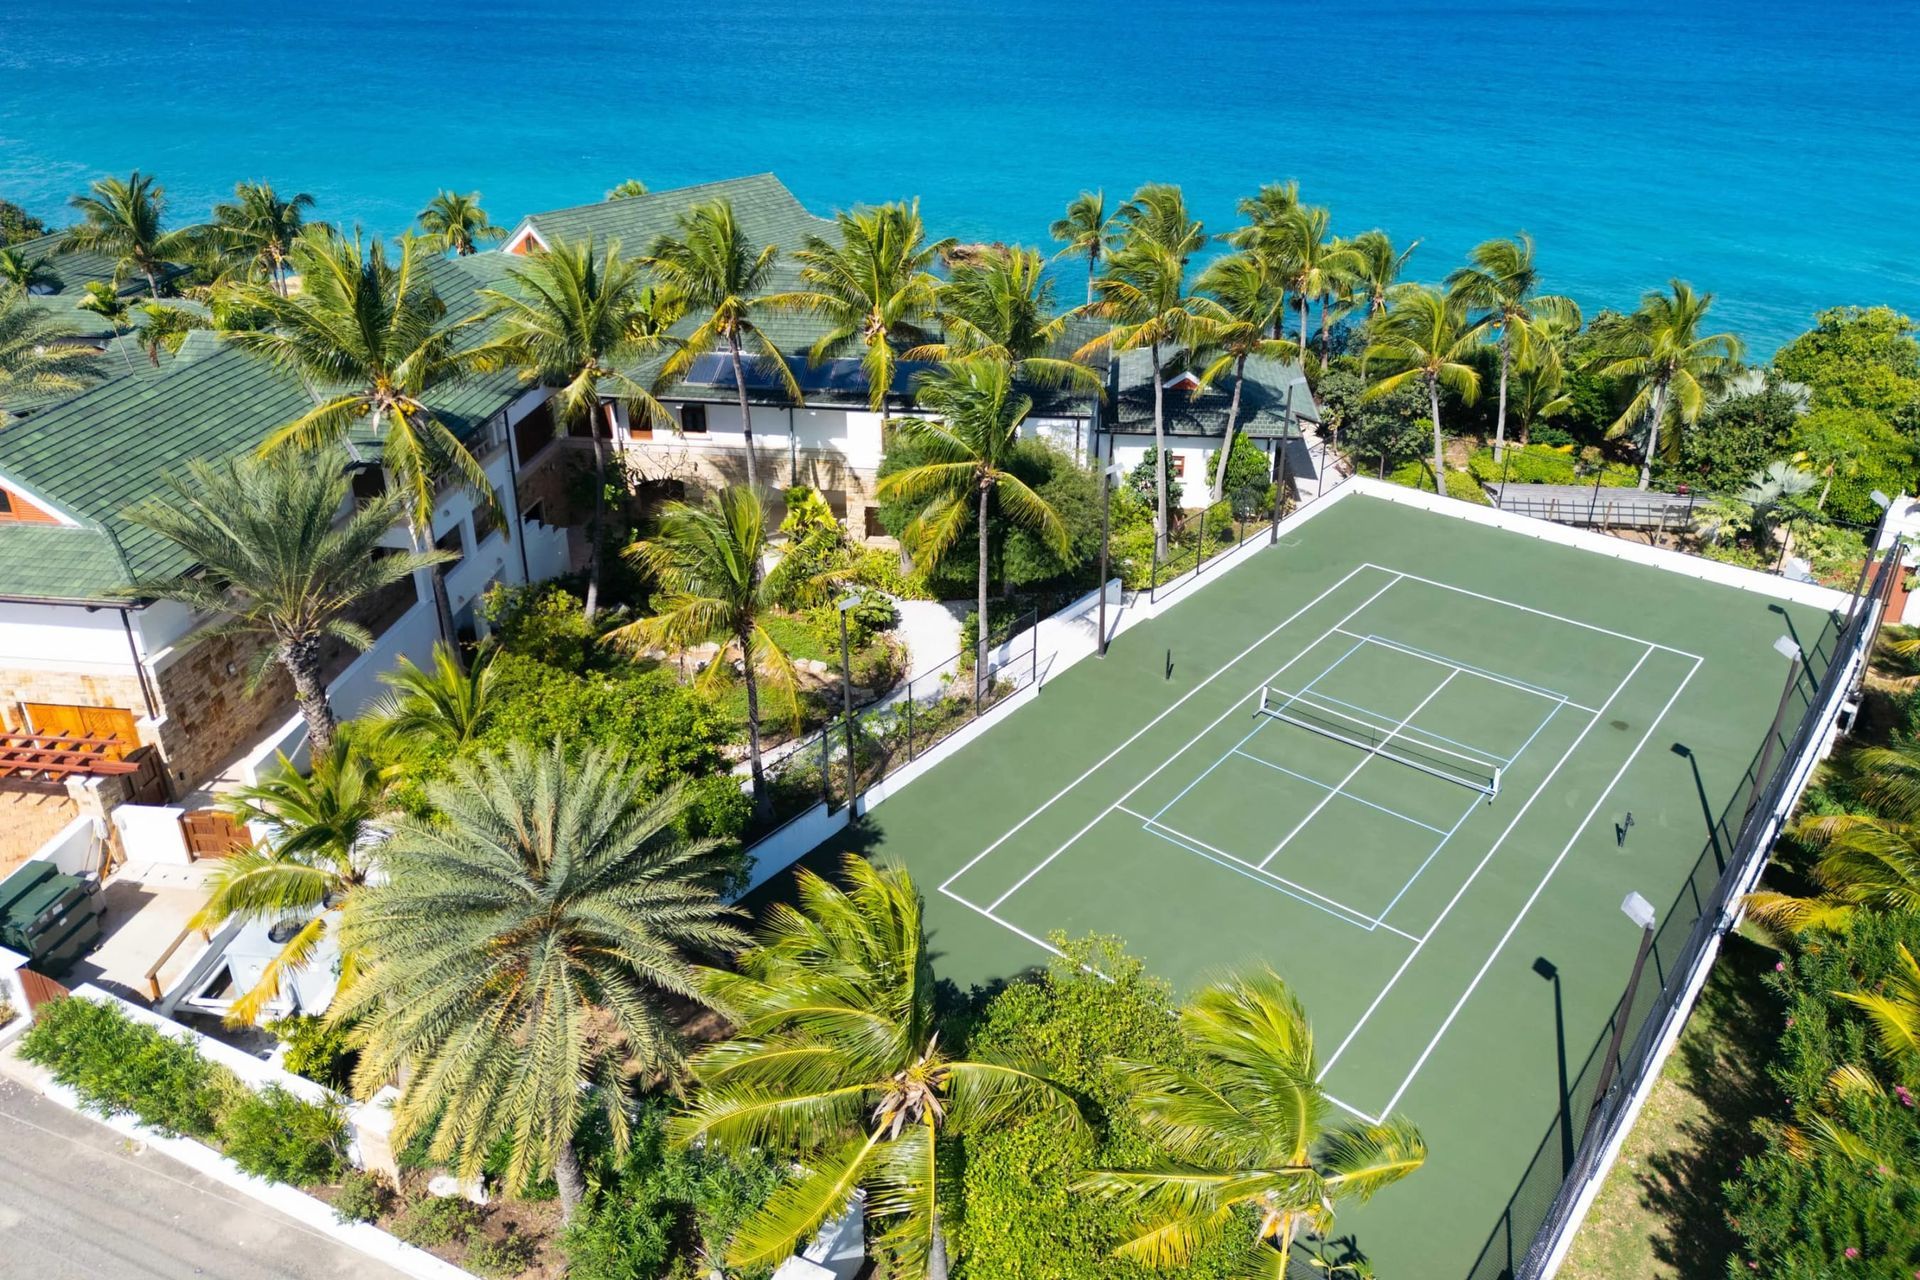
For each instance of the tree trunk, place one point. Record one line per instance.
(301, 658)
(1093, 265)
(1326, 334)
(1159, 457)
(746, 414)
(1439, 442)
(442, 607)
(1303, 333)
(1500, 417)
(573, 1184)
(1654, 413)
(762, 802)
(1825, 487)
(937, 1251)
(1226, 437)
(597, 521)
(981, 629)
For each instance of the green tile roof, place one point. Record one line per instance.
(1265, 412)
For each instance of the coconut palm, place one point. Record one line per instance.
(369, 335)
(457, 222)
(1538, 389)
(965, 445)
(1869, 859)
(320, 829)
(126, 219)
(19, 271)
(1243, 302)
(1144, 295)
(999, 306)
(1084, 232)
(165, 328)
(1247, 1127)
(1308, 263)
(1373, 267)
(576, 318)
(1264, 210)
(875, 290)
(709, 562)
(442, 709)
(838, 1062)
(258, 229)
(267, 556)
(721, 279)
(1502, 281)
(1424, 337)
(35, 361)
(627, 189)
(1894, 1010)
(102, 299)
(1672, 367)
(518, 956)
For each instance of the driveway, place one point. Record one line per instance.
(79, 1202)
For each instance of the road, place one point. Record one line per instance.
(79, 1202)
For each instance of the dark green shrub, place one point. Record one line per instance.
(273, 1134)
(363, 1197)
(316, 1049)
(507, 1256)
(117, 1065)
(436, 1220)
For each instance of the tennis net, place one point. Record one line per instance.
(1388, 743)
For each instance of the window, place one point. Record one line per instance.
(6, 504)
(534, 432)
(368, 483)
(451, 541)
(1177, 465)
(693, 419)
(874, 528)
(486, 518)
(535, 514)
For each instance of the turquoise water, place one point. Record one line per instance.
(1765, 151)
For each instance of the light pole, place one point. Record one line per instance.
(1885, 504)
(1787, 649)
(1108, 475)
(1641, 912)
(842, 606)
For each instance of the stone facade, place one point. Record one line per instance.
(69, 688)
(698, 471)
(208, 717)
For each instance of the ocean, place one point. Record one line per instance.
(1766, 152)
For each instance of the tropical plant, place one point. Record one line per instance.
(966, 443)
(99, 298)
(838, 1063)
(1264, 212)
(1308, 264)
(1894, 1010)
(257, 228)
(266, 555)
(522, 945)
(1248, 1127)
(1868, 858)
(26, 273)
(457, 222)
(1084, 232)
(721, 278)
(126, 218)
(165, 328)
(321, 828)
(713, 587)
(626, 189)
(34, 360)
(1502, 281)
(1372, 267)
(575, 318)
(370, 336)
(445, 708)
(1144, 295)
(17, 226)
(1424, 338)
(1670, 365)
(1242, 307)
(1768, 491)
(999, 306)
(874, 289)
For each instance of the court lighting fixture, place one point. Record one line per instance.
(1641, 912)
(1111, 473)
(843, 605)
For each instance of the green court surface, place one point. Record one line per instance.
(1394, 757)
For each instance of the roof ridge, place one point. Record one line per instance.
(666, 191)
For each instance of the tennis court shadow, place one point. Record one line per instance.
(1548, 970)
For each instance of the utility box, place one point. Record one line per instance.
(51, 918)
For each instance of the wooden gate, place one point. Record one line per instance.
(212, 834)
(85, 722)
(149, 785)
(39, 988)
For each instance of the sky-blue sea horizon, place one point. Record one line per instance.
(1765, 152)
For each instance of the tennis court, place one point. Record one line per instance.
(1412, 762)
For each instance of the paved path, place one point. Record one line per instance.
(79, 1202)
(931, 632)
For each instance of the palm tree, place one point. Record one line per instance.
(999, 306)
(1869, 857)
(457, 222)
(165, 328)
(1247, 1127)
(102, 299)
(127, 220)
(1539, 387)
(1424, 337)
(721, 278)
(1307, 262)
(321, 828)
(838, 1062)
(1373, 267)
(1084, 232)
(967, 442)
(369, 337)
(1244, 303)
(572, 319)
(445, 708)
(1661, 353)
(626, 189)
(875, 290)
(713, 587)
(1144, 294)
(522, 945)
(1770, 489)
(35, 361)
(1894, 1011)
(259, 229)
(267, 556)
(1501, 281)
(23, 273)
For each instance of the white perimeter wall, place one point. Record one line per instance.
(852, 433)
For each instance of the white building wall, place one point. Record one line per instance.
(65, 638)
(1185, 456)
(854, 434)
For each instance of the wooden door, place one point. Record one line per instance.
(85, 722)
(212, 834)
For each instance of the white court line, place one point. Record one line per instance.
(1441, 661)
(1321, 695)
(1492, 849)
(1135, 736)
(1041, 866)
(1558, 617)
(1315, 782)
(1364, 760)
(1354, 1111)
(1541, 887)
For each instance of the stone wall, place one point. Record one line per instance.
(209, 717)
(69, 688)
(703, 469)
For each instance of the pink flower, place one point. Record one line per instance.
(1789, 1021)
(1901, 1092)
(1852, 1253)
(1779, 966)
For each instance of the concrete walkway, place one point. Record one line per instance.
(931, 631)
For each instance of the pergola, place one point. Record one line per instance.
(53, 757)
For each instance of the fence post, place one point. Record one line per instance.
(1153, 574)
(826, 766)
(909, 721)
(1033, 632)
(1200, 543)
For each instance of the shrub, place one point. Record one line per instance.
(117, 1065)
(7, 1013)
(316, 1049)
(1418, 474)
(363, 1197)
(548, 623)
(507, 1256)
(435, 1220)
(273, 1134)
